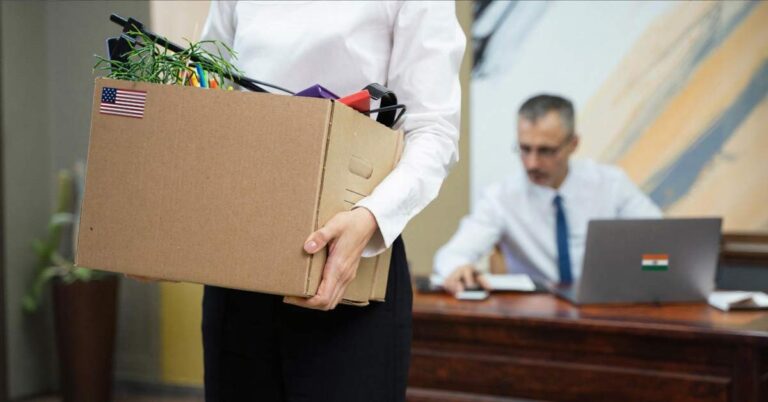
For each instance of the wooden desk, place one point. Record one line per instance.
(536, 346)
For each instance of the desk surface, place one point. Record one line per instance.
(682, 351)
(667, 318)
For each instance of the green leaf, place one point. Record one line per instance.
(68, 278)
(29, 304)
(60, 219)
(147, 61)
(83, 274)
(60, 261)
(41, 248)
(31, 300)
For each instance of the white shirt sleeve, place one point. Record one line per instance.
(220, 24)
(632, 202)
(427, 48)
(478, 233)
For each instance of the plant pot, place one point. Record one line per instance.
(86, 317)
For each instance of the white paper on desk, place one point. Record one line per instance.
(502, 282)
(516, 282)
(732, 300)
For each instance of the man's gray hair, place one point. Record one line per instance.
(538, 106)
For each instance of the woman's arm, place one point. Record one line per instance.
(427, 48)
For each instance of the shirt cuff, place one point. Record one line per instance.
(446, 264)
(379, 241)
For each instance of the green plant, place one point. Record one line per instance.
(147, 61)
(51, 260)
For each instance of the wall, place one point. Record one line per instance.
(3, 330)
(47, 59)
(70, 95)
(27, 180)
(643, 76)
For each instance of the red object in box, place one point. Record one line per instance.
(360, 101)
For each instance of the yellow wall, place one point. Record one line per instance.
(182, 355)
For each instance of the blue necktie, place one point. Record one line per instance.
(563, 252)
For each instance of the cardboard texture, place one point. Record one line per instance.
(223, 187)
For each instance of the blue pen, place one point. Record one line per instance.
(203, 84)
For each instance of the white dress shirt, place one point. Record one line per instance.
(413, 48)
(521, 216)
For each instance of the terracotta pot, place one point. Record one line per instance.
(86, 317)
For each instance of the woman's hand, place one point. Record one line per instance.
(346, 235)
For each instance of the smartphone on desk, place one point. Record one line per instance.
(476, 295)
(433, 284)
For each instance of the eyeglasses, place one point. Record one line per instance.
(543, 152)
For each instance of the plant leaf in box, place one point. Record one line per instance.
(146, 61)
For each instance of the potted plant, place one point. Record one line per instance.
(84, 300)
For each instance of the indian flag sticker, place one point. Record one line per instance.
(655, 262)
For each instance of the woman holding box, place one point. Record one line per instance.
(266, 348)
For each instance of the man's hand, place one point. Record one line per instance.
(464, 277)
(346, 235)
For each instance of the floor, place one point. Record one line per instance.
(139, 393)
(130, 398)
(153, 397)
(134, 393)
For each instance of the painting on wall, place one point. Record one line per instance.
(675, 93)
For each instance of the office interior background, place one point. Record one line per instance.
(672, 92)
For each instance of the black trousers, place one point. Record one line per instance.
(258, 348)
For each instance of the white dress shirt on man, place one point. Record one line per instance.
(520, 216)
(414, 48)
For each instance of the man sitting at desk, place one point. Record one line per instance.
(541, 220)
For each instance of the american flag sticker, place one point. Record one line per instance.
(655, 262)
(123, 102)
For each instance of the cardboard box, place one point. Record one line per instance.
(223, 187)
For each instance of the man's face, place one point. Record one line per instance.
(545, 147)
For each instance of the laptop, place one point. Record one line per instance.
(647, 261)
